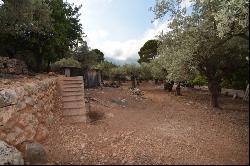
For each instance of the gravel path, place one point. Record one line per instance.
(158, 129)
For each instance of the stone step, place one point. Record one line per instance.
(74, 112)
(73, 86)
(67, 81)
(80, 78)
(73, 83)
(72, 98)
(76, 119)
(73, 90)
(73, 105)
(69, 94)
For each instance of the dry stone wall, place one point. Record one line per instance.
(25, 110)
(12, 66)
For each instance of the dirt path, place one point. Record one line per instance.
(161, 129)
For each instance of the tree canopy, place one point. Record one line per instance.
(48, 30)
(148, 52)
(198, 43)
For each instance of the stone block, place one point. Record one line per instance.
(9, 155)
(35, 153)
(8, 97)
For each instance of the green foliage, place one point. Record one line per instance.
(88, 58)
(233, 18)
(199, 80)
(67, 62)
(148, 52)
(193, 45)
(100, 55)
(106, 69)
(48, 29)
(158, 71)
(117, 73)
(145, 71)
(132, 70)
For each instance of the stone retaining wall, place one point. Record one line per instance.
(12, 66)
(25, 110)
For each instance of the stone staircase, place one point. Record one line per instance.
(72, 91)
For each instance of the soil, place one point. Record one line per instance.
(158, 128)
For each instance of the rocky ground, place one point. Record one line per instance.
(156, 128)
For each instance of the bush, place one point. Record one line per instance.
(199, 80)
(69, 62)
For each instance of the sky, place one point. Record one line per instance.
(119, 28)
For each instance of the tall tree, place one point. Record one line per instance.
(100, 55)
(49, 29)
(148, 52)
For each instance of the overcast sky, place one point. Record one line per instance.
(119, 28)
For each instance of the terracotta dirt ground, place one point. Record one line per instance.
(158, 129)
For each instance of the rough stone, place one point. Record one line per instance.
(20, 105)
(9, 155)
(12, 136)
(26, 119)
(29, 101)
(35, 153)
(19, 108)
(7, 97)
(42, 133)
(30, 132)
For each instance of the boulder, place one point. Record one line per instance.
(35, 153)
(9, 155)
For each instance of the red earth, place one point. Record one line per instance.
(158, 128)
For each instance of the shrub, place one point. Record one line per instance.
(65, 62)
(199, 80)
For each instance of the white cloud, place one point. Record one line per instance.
(100, 37)
(126, 50)
(94, 37)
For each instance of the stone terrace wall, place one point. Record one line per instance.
(25, 110)
(12, 66)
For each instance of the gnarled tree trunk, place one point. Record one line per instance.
(178, 89)
(133, 80)
(156, 81)
(214, 89)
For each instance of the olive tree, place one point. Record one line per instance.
(133, 71)
(158, 71)
(193, 44)
(145, 71)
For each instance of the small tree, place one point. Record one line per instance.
(145, 71)
(149, 51)
(117, 74)
(65, 62)
(158, 71)
(105, 67)
(133, 71)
